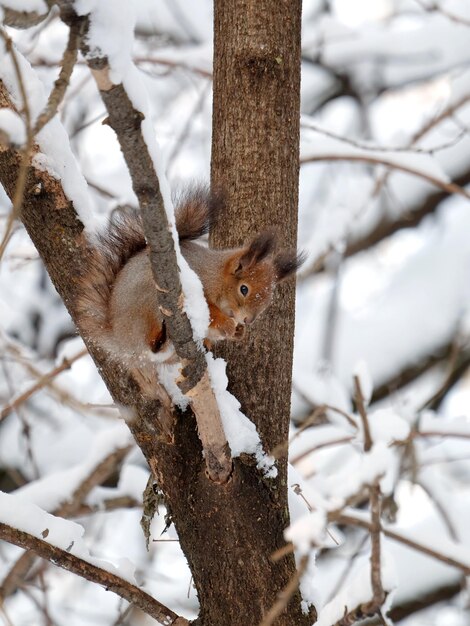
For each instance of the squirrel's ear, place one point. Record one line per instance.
(262, 245)
(287, 263)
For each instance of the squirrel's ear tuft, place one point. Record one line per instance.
(261, 246)
(287, 263)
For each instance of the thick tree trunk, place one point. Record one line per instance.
(255, 161)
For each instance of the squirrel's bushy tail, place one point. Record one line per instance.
(124, 237)
(195, 211)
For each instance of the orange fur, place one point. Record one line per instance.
(118, 304)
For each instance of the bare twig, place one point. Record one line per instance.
(281, 449)
(371, 147)
(39, 384)
(437, 433)
(286, 594)
(450, 187)
(187, 126)
(321, 446)
(54, 100)
(437, 119)
(347, 568)
(26, 150)
(140, 60)
(109, 504)
(355, 521)
(378, 593)
(58, 91)
(359, 399)
(437, 8)
(440, 508)
(93, 573)
(69, 508)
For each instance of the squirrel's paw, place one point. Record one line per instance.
(239, 332)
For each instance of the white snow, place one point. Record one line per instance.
(13, 127)
(307, 532)
(58, 532)
(56, 488)
(358, 591)
(241, 433)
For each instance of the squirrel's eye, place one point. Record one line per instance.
(243, 290)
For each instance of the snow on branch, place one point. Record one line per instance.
(65, 548)
(64, 494)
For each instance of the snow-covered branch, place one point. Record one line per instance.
(65, 559)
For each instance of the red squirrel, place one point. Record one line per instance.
(117, 302)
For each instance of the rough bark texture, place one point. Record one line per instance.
(255, 161)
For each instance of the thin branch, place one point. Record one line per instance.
(174, 65)
(320, 446)
(286, 594)
(348, 567)
(415, 545)
(378, 593)
(440, 508)
(26, 150)
(450, 188)
(436, 8)
(140, 60)
(60, 85)
(282, 449)
(62, 395)
(437, 433)
(437, 119)
(359, 399)
(93, 573)
(54, 100)
(371, 147)
(110, 504)
(69, 508)
(409, 374)
(424, 601)
(39, 384)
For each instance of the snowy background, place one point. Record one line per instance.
(384, 295)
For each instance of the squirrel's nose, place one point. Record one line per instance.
(249, 319)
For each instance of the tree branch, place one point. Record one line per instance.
(126, 121)
(39, 384)
(449, 188)
(93, 573)
(356, 521)
(96, 477)
(58, 92)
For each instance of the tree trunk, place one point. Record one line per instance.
(255, 161)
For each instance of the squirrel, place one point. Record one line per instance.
(117, 298)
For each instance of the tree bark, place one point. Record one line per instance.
(255, 161)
